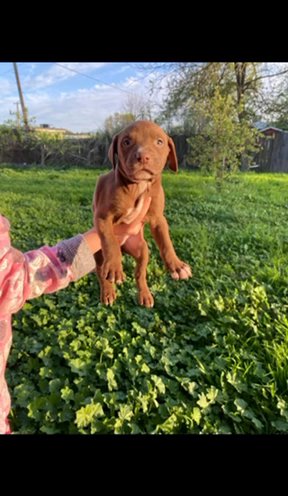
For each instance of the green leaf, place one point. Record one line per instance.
(169, 425)
(145, 368)
(67, 394)
(196, 415)
(144, 401)
(219, 303)
(189, 386)
(125, 413)
(241, 405)
(212, 394)
(112, 384)
(54, 385)
(283, 407)
(159, 384)
(202, 402)
(86, 414)
(280, 425)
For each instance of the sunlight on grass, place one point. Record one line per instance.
(211, 357)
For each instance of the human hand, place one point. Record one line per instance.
(122, 231)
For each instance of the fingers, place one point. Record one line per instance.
(134, 226)
(139, 206)
(144, 209)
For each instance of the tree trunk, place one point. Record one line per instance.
(240, 73)
(42, 155)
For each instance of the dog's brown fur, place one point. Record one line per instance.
(143, 149)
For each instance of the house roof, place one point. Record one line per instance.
(59, 129)
(264, 126)
(66, 132)
(271, 128)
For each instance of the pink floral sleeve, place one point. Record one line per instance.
(27, 275)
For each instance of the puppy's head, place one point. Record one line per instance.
(143, 149)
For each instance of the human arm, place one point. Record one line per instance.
(48, 269)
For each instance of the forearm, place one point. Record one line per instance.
(93, 240)
(45, 270)
(48, 269)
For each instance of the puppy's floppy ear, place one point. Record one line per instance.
(113, 150)
(172, 157)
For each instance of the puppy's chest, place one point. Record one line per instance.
(132, 204)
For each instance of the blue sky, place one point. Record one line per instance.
(79, 96)
(56, 94)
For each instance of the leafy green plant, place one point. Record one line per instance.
(210, 357)
(224, 139)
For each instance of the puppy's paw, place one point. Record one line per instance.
(145, 298)
(180, 270)
(108, 294)
(113, 272)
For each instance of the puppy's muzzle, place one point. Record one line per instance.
(142, 157)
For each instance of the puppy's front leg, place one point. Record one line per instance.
(160, 232)
(107, 288)
(112, 264)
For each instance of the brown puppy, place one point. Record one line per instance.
(143, 149)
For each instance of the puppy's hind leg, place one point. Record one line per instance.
(107, 288)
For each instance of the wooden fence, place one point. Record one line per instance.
(89, 152)
(274, 154)
(93, 152)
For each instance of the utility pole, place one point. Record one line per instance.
(24, 110)
(17, 113)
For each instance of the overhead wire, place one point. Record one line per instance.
(104, 82)
(91, 77)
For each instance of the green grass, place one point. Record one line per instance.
(210, 357)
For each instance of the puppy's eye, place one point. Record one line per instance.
(126, 142)
(160, 142)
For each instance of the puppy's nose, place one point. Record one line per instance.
(142, 157)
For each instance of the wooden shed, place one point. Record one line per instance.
(274, 154)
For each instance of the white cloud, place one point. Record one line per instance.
(132, 82)
(82, 109)
(86, 108)
(57, 73)
(122, 69)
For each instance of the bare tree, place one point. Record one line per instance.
(138, 106)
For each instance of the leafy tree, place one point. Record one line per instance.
(277, 107)
(224, 140)
(260, 88)
(18, 121)
(194, 82)
(48, 144)
(114, 123)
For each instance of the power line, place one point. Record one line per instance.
(100, 80)
(93, 78)
(103, 82)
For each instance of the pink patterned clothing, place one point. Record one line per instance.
(27, 275)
